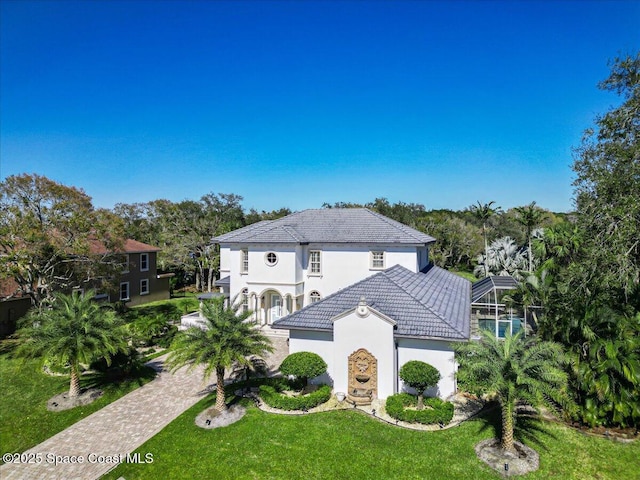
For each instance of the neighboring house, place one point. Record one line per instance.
(139, 282)
(354, 287)
(13, 305)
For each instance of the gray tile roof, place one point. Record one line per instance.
(435, 304)
(328, 225)
(495, 282)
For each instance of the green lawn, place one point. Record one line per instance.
(24, 418)
(347, 444)
(468, 275)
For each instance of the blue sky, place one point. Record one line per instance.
(299, 103)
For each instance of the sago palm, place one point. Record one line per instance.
(74, 331)
(226, 338)
(515, 371)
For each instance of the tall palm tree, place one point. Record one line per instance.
(530, 217)
(225, 339)
(515, 370)
(74, 331)
(483, 212)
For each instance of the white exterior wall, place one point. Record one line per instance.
(344, 265)
(316, 342)
(341, 266)
(437, 353)
(373, 332)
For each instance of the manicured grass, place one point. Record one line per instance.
(469, 276)
(347, 444)
(24, 418)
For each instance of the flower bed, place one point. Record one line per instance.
(435, 411)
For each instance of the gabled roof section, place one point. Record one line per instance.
(435, 304)
(328, 225)
(495, 282)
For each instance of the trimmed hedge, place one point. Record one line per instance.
(272, 397)
(440, 411)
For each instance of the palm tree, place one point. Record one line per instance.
(515, 370)
(502, 257)
(225, 339)
(74, 331)
(530, 218)
(484, 212)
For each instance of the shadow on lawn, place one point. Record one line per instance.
(529, 426)
(112, 379)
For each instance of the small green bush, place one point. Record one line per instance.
(303, 365)
(272, 397)
(440, 411)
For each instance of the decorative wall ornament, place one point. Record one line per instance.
(363, 377)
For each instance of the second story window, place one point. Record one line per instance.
(144, 262)
(314, 297)
(377, 260)
(244, 261)
(314, 262)
(271, 259)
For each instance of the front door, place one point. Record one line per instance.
(276, 308)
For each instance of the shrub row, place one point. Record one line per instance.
(440, 411)
(275, 399)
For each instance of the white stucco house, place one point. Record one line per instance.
(355, 287)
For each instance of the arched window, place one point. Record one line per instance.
(314, 297)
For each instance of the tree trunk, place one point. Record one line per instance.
(210, 282)
(74, 388)
(420, 405)
(221, 406)
(486, 251)
(506, 442)
(530, 256)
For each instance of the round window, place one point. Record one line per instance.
(271, 258)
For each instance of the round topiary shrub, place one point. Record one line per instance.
(419, 375)
(402, 407)
(303, 365)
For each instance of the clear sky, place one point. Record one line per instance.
(299, 103)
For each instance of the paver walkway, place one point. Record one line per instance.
(120, 427)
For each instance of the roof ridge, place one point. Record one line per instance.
(436, 313)
(398, 225)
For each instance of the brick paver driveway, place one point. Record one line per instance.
(120, 427)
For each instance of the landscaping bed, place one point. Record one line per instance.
(402, 406)
(274, 396)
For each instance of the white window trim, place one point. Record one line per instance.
(311, 297)
(128, 292)
(319, 262)
(372, 257)
(146, 255)
(244, 269)
(267, 261)
(127, 264)
(142, 280)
